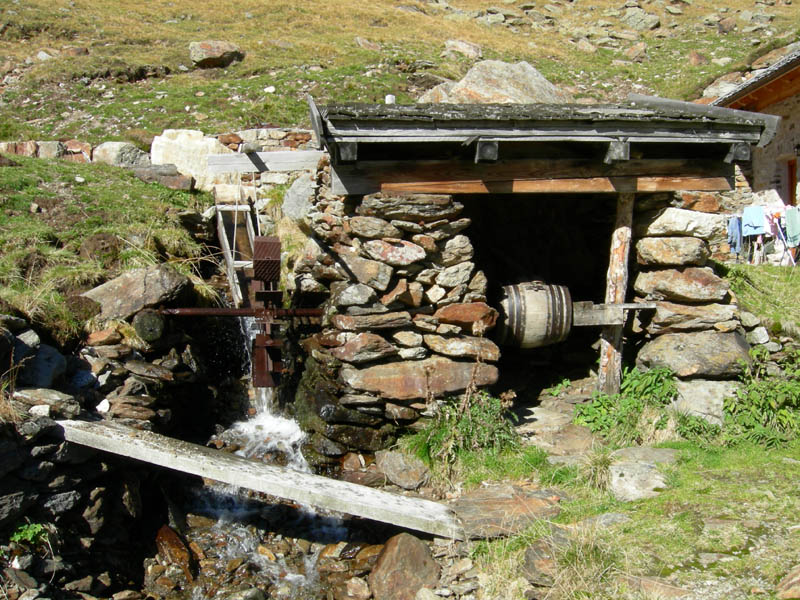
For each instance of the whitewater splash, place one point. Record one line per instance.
(267, 432)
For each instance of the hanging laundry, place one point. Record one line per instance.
(753, 221)
(735, 234)
(793, 226)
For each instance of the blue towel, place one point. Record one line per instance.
(735, 234)
(753, 221)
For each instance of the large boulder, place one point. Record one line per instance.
(417, 379)
(705, 354)
(210, 54)
(672, 251)
(120, 154)
(677, 221)
(691, 284)
(670, 317)
(405, 565)
(129, 293)
(498, 82)
(188, 150)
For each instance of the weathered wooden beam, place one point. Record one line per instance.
(322, 492)
(532, 176)
(258, 162)
(589, 314)
(609, 373)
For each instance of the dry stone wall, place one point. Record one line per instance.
(405, 320)
(696, 329)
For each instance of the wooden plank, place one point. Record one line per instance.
(257, 162)
(322, 492)
(609, 373)
(588, 314)
(532, 176)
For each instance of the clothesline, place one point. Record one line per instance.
(747, 231)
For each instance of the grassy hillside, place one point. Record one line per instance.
(65, 227)
(134, 80)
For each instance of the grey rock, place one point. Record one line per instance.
(467, 49)
(370, 272)
(456, 250)
(120, 154)
(749, 320)
(672, 251)
(455, 275)
(51, 149)
(26, 344)
(671, 317)
(58, 504)
(634, 481)
(690, 284)
(211, 54)
(463, 347)
(62, 405)
(703, 354)
(412, 353)
(704, 398)
(14, 504)
(640, 20)
(410, 207)
(374, 228)
(129, 293)
(681, 222)
(759, 335)
(494, 81)
(408, 472)
(408, 339)
(354, 295)
(299, 199)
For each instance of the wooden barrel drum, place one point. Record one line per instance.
(534, 314)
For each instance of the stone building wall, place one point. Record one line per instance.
(405, 320)
(697, 329)
(770, 164)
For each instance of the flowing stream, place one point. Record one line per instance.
(247, 525)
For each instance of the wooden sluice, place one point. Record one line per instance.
(314, 490)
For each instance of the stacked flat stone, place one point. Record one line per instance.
(696, 329)
(406, 314)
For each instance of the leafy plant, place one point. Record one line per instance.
(480, 423)
(31, 534)
(766, 409)
(696, 429)
(617, 417)
(558, 388)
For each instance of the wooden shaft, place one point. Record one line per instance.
(610, 371)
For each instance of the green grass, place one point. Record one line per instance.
(770, 292)
(134, 76)
(41, 264)
(737, 502)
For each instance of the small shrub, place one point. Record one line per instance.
(617, 417)
(766, 409)
(482, 422)
(696, 429)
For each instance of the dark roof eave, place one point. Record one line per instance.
(787, 64)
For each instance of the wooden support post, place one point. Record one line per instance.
(610, 371)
